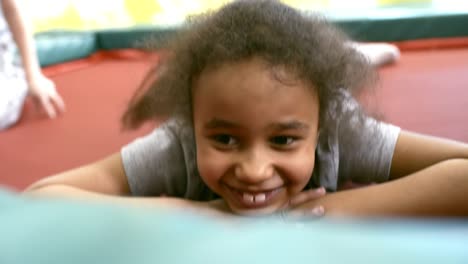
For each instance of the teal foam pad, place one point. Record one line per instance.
(57, 232)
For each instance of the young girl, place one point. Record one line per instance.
(15, 82)
(260, 113)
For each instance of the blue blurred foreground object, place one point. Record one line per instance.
(57, 232)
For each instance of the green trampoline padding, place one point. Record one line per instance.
(55, 47)
(57, 232)
(387, 24)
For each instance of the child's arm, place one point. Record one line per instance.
(414, 152)
(214, 208)
(106, 176)
(105, 181)
(436, 183)
(41, 88)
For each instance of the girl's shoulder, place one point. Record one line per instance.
(354, 146)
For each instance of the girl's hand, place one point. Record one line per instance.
(45, 96)
(301, 207)
(304, 205)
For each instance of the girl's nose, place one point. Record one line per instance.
(254, 167)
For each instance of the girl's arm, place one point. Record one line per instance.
(105, 182)
(414, 152)
(41, 88)
(215, 208)
(436, 183)
(106, 176)
(439, 190)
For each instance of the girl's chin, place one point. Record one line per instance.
(262, 211)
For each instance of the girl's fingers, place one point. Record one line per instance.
(48, 107)
(306, 196)
(58, 101)
(303, 214)
(295, 212)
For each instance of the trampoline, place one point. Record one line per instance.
(97, 72)
(426, 92)
(96, 95)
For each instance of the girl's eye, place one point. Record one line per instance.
(283, 140)
(225, 139)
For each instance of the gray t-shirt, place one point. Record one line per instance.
(164, 161)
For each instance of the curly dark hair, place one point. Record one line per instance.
(307, 45)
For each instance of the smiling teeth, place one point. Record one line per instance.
(250, 198)
(260, 198)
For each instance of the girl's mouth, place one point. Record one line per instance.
(252, 200)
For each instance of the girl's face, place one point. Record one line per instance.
(255, 136)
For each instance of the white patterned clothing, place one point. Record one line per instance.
(13, 86)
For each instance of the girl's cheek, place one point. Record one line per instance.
(300, 168)
(212, 165)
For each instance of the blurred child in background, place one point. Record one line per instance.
(17, 81)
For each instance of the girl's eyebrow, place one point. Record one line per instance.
(289, 125)
(279, 126)
(220, 123)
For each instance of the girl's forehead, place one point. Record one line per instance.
(251, 68)
(251, 79)
(249, 95)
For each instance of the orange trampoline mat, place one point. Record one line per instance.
(426, 91)
(95, 96)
